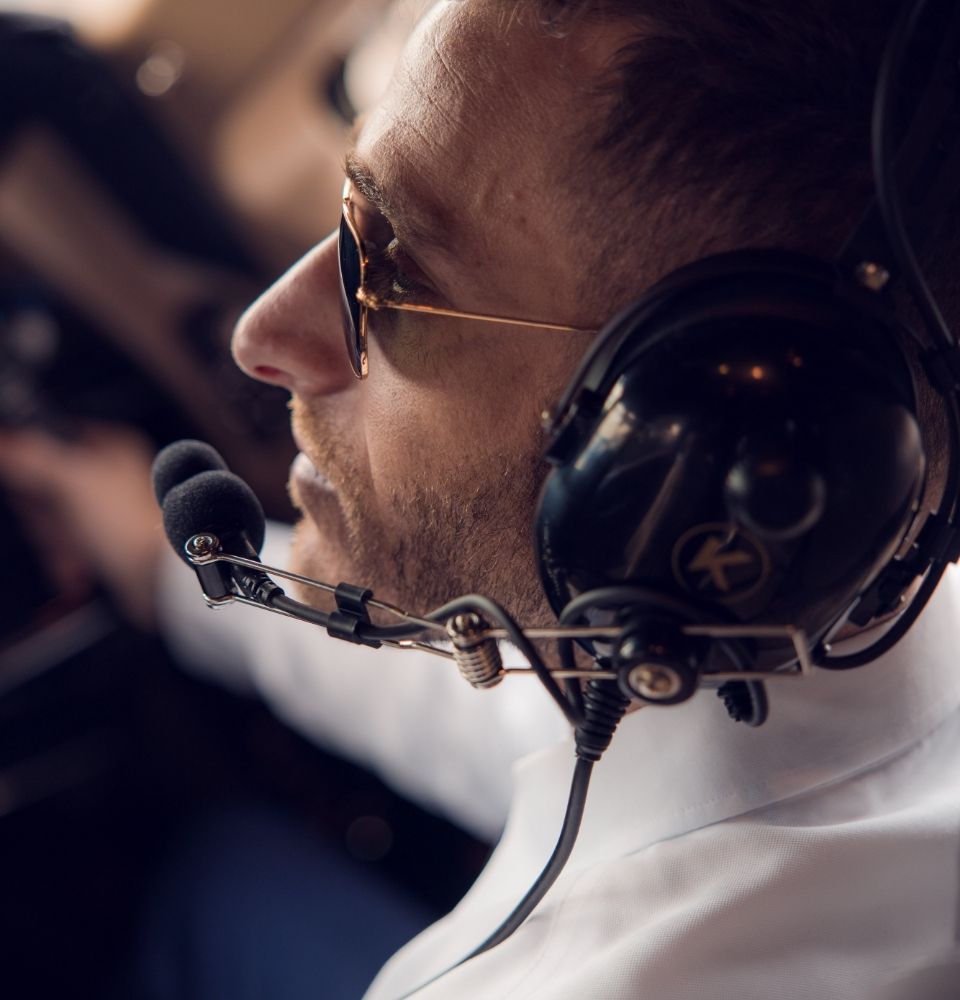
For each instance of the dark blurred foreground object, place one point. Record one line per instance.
(120, 279)
(101, 219)
(47, 78)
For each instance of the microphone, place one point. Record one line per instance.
(204, 502)
(219, 503)
(179, 462)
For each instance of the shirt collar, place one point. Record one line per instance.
(672, 770)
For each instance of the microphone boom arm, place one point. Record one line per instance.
(474, 640)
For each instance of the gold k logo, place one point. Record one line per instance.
(712, 559)
(719, 562)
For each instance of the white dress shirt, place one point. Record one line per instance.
(814, 857)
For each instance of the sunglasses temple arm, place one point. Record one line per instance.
(371, 302)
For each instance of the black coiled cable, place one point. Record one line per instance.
(603, 708)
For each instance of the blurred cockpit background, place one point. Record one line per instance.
(161, 161)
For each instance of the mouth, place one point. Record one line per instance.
(305, 472)
(311, 492)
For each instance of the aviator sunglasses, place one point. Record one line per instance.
(357, 300)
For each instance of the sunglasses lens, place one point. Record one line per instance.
(350, 275)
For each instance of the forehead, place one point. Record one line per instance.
(474, 124)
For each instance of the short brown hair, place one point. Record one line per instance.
(752, 117)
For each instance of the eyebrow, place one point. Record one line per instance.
(415, 230)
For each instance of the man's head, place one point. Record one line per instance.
(432, 461)
(547, 160)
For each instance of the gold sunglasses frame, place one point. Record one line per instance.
(370, 302)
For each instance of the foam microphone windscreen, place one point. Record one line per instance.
(179, 462)
(217, 502)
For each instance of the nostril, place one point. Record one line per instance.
(269, 374)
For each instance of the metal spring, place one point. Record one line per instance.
(477, 657)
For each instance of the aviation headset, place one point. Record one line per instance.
(741, 447)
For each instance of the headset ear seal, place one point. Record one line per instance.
(568, 426)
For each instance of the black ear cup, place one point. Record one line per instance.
(774, 489)
(743, 440)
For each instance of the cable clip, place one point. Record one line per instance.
(351, 615)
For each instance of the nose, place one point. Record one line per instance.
(292, 336)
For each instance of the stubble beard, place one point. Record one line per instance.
(420, 544)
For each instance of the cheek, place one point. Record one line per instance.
(424, 442)
(452, 406)
(465, 373)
